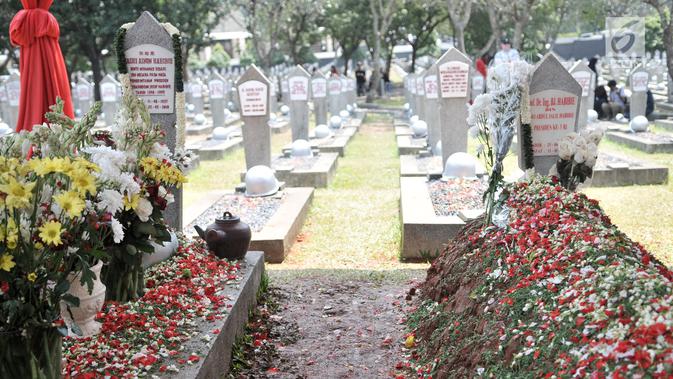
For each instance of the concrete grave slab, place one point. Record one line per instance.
(641, 141)
(409, 145)
(423, 232)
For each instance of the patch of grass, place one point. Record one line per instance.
(224, 174)
(644, 213)
(395, 101)
(355, 222)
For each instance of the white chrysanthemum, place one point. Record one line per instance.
(580, 143)
(144, 209)
(127, 185)
(590, 161)
(519, 72)
(117, 230)
(109, 160)
(110, 201)
(580, 155)
(160, 151)
(481, 105)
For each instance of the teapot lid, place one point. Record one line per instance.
(227, 218)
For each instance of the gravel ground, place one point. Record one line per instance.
(302, 163)
(254, 211)
(326, 327)
(430, 164)
(452, 196)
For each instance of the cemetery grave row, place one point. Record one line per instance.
(434, 127)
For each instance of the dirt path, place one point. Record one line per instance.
(317, 326)
(335, 306)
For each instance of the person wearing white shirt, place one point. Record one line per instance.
(506, 53)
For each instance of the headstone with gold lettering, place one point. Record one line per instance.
(453, 74)
(554, 106)
(150, 62)
(253, 93)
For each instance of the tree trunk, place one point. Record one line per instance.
(412, 68)
(389, 61)
(376, 64)
(459, 32)
(517, 40)
(346, 57)
(95, 59)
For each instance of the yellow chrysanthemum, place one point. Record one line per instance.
(10, 234)
(82, 164)
(7, 262)
(31, 277)
(50, 233)
(131, 203)
(71, 202)
(18, 194)
(83, 182)
(47, 166)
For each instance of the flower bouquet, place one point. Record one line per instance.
(138, 171)
(492, 119)
(577, 157)
(50, 230)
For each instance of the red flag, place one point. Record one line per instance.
(43, 73)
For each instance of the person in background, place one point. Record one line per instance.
(649, 107)
(616, 101)
(333, 71)
(386, 81)
(361, 79)
(600, 98)
(592, 67)
(482, 64)
(506, 53)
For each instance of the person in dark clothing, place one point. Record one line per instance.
(600, 98)
(386, 81)
(361, 79)
(592, 66)
(649, 108)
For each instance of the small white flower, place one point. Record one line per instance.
(580, 156)
(110, 201)
(117, 230)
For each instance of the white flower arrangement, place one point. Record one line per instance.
(493, 118)
(578, 154)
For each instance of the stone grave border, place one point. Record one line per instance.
(666, 124)
(217, 152)
(405, 145)
(318, 176)
(280, 232)
(337, 144)
(422, 229)
(632, 140)
(242, 298)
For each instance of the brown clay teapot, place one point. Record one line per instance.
(227, 238)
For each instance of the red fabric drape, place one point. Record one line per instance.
(43, 73)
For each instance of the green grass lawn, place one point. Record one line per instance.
(644, 213)
(395, 101)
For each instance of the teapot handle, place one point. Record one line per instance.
(227, 215)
